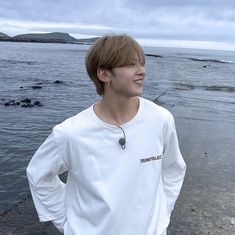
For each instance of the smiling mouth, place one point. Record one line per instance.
(138, 81)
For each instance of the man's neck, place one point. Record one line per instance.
(117, 111)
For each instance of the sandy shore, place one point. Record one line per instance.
(206, 204)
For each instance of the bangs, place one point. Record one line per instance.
(118, 51)
(132, 52)
(127, 53)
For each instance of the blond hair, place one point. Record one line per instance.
(111, 51)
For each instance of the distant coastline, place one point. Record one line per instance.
(55, 37)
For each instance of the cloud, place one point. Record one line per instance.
(180, 3)
(200, 20)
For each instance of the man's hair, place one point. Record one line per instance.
(111, 51)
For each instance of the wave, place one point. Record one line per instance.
(183, 86)
(17, 62)
(210, 60)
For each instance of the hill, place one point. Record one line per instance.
(47, 36)
(55, 37)
(87, 40)
(3, 35)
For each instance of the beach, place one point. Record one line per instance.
(206, 203)
(199, 93)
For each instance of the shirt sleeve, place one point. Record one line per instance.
(48, 191)
(173, 166)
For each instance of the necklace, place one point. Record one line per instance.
(122, 141)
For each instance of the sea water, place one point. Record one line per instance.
(192, 84)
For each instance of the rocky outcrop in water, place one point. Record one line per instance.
(39, 85)
(152, 55)
(28, 102)
(24, 103)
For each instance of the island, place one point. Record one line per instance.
(55, 37)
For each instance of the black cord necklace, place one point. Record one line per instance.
(122, 141)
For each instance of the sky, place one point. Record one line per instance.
(206, 24)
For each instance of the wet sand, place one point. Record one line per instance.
(23, 220)
(206, 203)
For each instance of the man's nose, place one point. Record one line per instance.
(141, 70)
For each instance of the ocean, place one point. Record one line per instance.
(193, 84)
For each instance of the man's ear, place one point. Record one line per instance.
(103, 75)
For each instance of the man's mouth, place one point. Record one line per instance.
(139, 81)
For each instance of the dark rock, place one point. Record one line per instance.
(36, 87)
(220, 88)
(39, 85)
(37, 103)
(10, 102)
(157, 56)
(58, 82)
(26, 100)
(27, 105)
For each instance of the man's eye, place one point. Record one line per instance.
(132, 64)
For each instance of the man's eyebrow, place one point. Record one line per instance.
(135, 59)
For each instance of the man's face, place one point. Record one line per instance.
(128, 80)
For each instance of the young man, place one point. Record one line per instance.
(125, 169)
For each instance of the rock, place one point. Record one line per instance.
(58, 82)
(36, 87)
(26, 100)
(39, 85)
(37, 103)
(27, 105)
(193, 210)
(157, 56)
(10, 102)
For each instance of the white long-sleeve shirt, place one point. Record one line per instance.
(109, 190)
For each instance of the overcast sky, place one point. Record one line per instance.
(181, 23)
